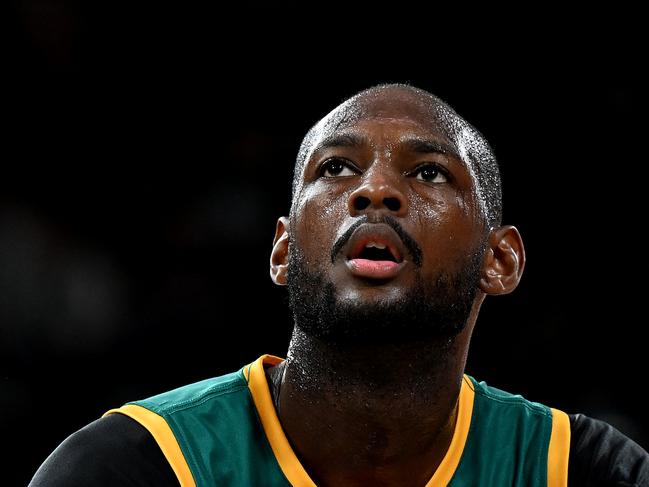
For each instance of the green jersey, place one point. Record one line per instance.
(225, 431)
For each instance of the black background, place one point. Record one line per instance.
(148, 153)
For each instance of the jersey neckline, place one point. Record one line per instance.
(288, 461)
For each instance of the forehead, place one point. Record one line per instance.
(381, 133)
(411, 113)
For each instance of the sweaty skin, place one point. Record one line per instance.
(368, 412)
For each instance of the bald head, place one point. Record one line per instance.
(389, 101)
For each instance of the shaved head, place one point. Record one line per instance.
(386, 101)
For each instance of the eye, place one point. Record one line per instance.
(430, 174)
(334, 168)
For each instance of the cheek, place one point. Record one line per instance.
(469, 204)
(437, 208)
(321, 213)
(448, 228)
(429, 212)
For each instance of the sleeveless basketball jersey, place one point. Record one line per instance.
(225, 431)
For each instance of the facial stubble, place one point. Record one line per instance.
(435, 310)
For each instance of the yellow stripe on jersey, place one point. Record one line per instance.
(165, 438)
(559, 450)
(451, 460)
(288, 461)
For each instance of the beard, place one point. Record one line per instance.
(431, 311)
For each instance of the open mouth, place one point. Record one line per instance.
(376, 251)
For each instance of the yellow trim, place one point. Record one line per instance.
(288, 461)
(451, 460)
(246, 372)
(165, 438)
(559, 450)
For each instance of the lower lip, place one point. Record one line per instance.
(374, 269)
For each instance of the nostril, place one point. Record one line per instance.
(392, 204)
(361, 202)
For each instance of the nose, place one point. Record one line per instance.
(379, 193)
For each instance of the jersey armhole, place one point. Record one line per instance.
(164, 437)
(559, 450)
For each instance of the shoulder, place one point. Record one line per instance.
(111, 451)
(598, 454)
(601, 455)
(496, 402)
(119, 450)
(195, 394)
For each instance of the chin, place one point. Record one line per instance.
(371, 297)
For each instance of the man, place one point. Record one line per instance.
(393, 241)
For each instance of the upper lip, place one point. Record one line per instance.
(380, 233)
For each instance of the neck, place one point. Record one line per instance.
(387, 411)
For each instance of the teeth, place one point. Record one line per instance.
(379, 246)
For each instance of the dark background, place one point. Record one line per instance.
(146, 155)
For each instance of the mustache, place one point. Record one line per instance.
(413, 247)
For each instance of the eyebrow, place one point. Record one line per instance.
(413, 144)
(342, 140)
(426, 146)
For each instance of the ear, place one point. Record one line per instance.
(504, 261)
(279, 254)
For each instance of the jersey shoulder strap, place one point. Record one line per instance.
(210, 433)
(513, 441)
